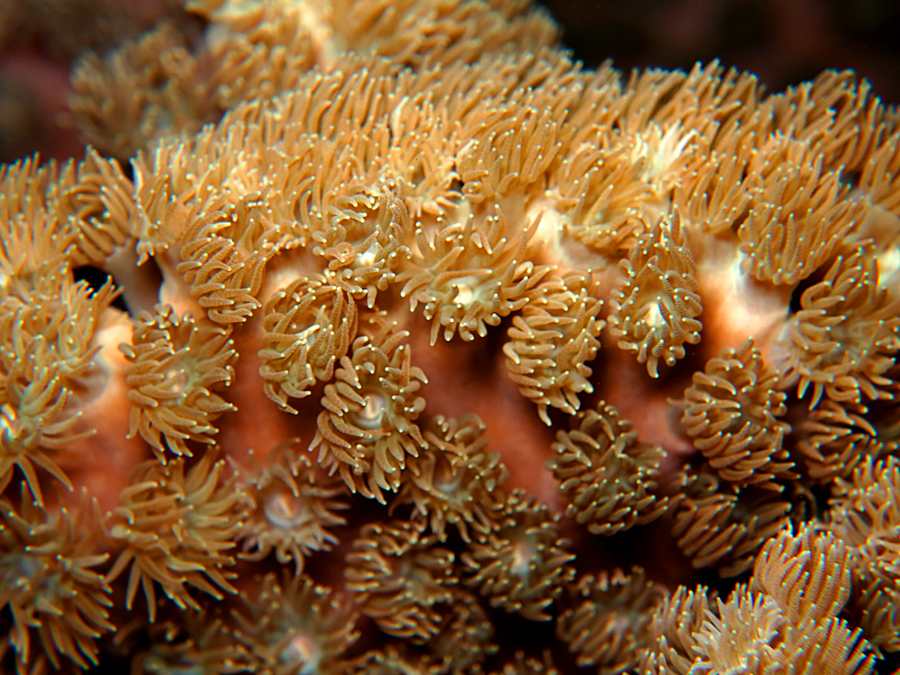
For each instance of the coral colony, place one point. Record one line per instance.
(427, 350)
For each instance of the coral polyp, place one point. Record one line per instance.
(174, 527)
(176, 368)
(368, 426)
(731, 412)
(400, 576)
(294, 626)
(292, 505)
(656, 309)
(49, 581)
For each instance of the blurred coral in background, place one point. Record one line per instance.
(387, 337)
(39, 41)
(783, 43)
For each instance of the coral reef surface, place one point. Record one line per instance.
(384, 337)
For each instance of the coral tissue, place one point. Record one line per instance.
(424, 349)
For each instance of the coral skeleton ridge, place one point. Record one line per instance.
(421, 348)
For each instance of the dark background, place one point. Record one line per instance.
(782, 41)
